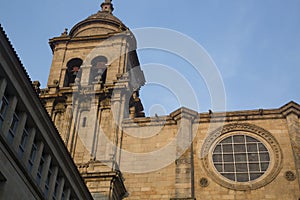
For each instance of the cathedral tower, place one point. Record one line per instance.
(93, 85)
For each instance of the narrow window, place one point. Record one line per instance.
(84, 122)
(23, 141)
(13, 128)
(47, 182)
(40, 169)
(55, 192)
(32, 156)
(3, 109)
(63, 195)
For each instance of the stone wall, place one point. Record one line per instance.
(190, 179)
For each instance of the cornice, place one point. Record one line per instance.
(290, 108)
(183, 112)
(215, 117)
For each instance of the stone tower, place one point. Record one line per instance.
(93, 85)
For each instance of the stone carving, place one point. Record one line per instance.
(56, 83)
(106, 103)
(36, 85)
(290, 176)
(203, 182)
(65, 33)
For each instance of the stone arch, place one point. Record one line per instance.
(73, 71)
(98, 71)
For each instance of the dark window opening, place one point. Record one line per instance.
(40, 169)
(73, 71)
(84, 122)
(32, 156)
(3, 109)
(13, 128)
(98, 70)
(55, 192)
(47, 182)
(23, 142)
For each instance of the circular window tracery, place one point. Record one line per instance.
(241, 156)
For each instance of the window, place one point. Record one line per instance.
(73, 71)
(64, 194)
(47, 182)
(13, 128)
(241, 158)
(40, 169)
(23, 141)
(98, 71)
(32, 156)
(55, 192)
(3, 109)
(84, 122)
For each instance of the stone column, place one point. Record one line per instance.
(68, 123)
(73, 128)
(117, 116)
(93, 136)
(62, 79)
(85, 74)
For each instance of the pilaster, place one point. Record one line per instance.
(292, 114)
(184, 182)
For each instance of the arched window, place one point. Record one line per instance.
(98, 70)
(73, 71)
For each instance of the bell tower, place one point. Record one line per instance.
(93, 85)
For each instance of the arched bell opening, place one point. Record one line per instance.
(73, 71)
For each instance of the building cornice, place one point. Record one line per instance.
(215, 117)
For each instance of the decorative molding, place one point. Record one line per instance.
(289, 108)
(203, 182)
(290, 176)
(183, 113)
(247, 129)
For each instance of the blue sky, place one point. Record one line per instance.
(254, 43)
